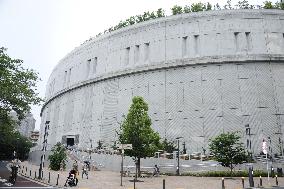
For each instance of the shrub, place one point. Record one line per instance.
(268, 5)
(241, 173)
(197, 7)
(58, 157)
(177, 10)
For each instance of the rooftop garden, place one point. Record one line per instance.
(195, 7)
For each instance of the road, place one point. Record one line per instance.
(20, 182)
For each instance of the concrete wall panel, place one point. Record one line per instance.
(200, 73)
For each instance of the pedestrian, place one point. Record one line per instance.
(156, 171)
(75, 167)
(14, 166)
(85, 170)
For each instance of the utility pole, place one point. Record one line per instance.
(178, 172)
(123, 147)
(122, 154)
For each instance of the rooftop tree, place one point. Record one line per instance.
(177, 10)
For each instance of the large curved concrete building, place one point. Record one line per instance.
(201, 74)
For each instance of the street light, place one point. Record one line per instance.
(178, 155)
(17, 149)
(91, 149)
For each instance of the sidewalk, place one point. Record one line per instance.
(111, 180)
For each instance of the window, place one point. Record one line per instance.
(88, 68)
(237, 46)
(136, 54)
(65, 77)
(127, 53)
(248, 40)
(184, 46)
(69, 75)
(196, 44)
(95, 62)
(147, 51)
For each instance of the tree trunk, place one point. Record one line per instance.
(231, 167)
(138, 167)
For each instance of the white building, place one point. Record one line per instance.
(26, 125)
(201, 74)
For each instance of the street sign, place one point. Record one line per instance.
(125, 146)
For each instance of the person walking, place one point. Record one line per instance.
(156, 171)
(85, 170)
(75, 167)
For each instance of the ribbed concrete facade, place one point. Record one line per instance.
(201, 74)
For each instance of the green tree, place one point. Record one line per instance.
(176, 10)
(197, 7)
(57, 157)
(217, 7)
(243, 4)
(186, 9)
(11, 140)
(268, 5)
(228, 149)
(136, 130)
(168, 146)
(208, 6)
(100, 145)
(17, 87)
(131, 20)
(139, 18)
(146, 16)
(279, 5)
(228, 5)
(160, 13)
(17, 93)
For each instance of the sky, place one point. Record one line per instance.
(42, 32)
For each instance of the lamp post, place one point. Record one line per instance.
(121, 171)
(42, 159)
(91, 149)
(17, 150)
(178, 172)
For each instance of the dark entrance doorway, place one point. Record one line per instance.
(70, 141)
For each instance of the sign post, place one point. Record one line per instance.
(123, 147)
(264, 150)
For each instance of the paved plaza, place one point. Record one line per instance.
(111, 180)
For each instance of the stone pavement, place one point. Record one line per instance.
(111, 180)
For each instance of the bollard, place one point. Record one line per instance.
(223, 183)
(42, 175)
(276, 179)
(164, 184)
(243, 182)
(57, 179)
(260, 181)
(251, 182)
(48, 177)
(30, 173)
